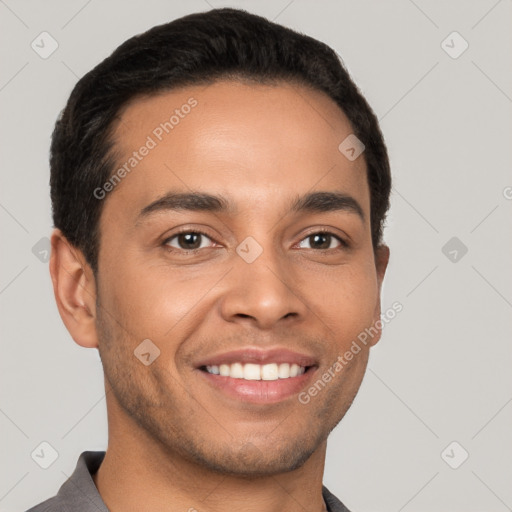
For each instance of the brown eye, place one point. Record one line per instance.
(323, 240)
(187, 241)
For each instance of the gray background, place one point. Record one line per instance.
(441, 372)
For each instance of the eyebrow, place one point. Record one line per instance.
(314, 202)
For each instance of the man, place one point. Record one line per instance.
(219, 189)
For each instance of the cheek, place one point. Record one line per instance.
(157, 301)
(347, 299)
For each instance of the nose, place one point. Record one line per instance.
(263, 293)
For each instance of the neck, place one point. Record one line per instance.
(138, 473)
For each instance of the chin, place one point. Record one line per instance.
(256, 458)
(253, 465)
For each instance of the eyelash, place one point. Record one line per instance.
(344, 244)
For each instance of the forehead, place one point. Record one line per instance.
(258, 145)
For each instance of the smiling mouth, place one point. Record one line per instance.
(260, 377)
(251, 371)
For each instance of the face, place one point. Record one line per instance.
(250, 291)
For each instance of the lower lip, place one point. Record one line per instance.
(259, 391)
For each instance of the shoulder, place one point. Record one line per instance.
(78, 492)
(55, 504)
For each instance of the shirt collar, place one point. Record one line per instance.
(79, 489)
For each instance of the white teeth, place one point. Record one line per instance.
(284, 371)
(237, 371)
(269, 372)
(250, 371)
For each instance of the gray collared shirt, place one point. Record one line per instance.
(79, 494)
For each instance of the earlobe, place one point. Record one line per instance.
(74, 289)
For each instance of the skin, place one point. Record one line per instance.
(175, 442)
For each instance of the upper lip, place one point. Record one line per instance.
(258, 356)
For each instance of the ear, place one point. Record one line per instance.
(381, 264)
(74, 287)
